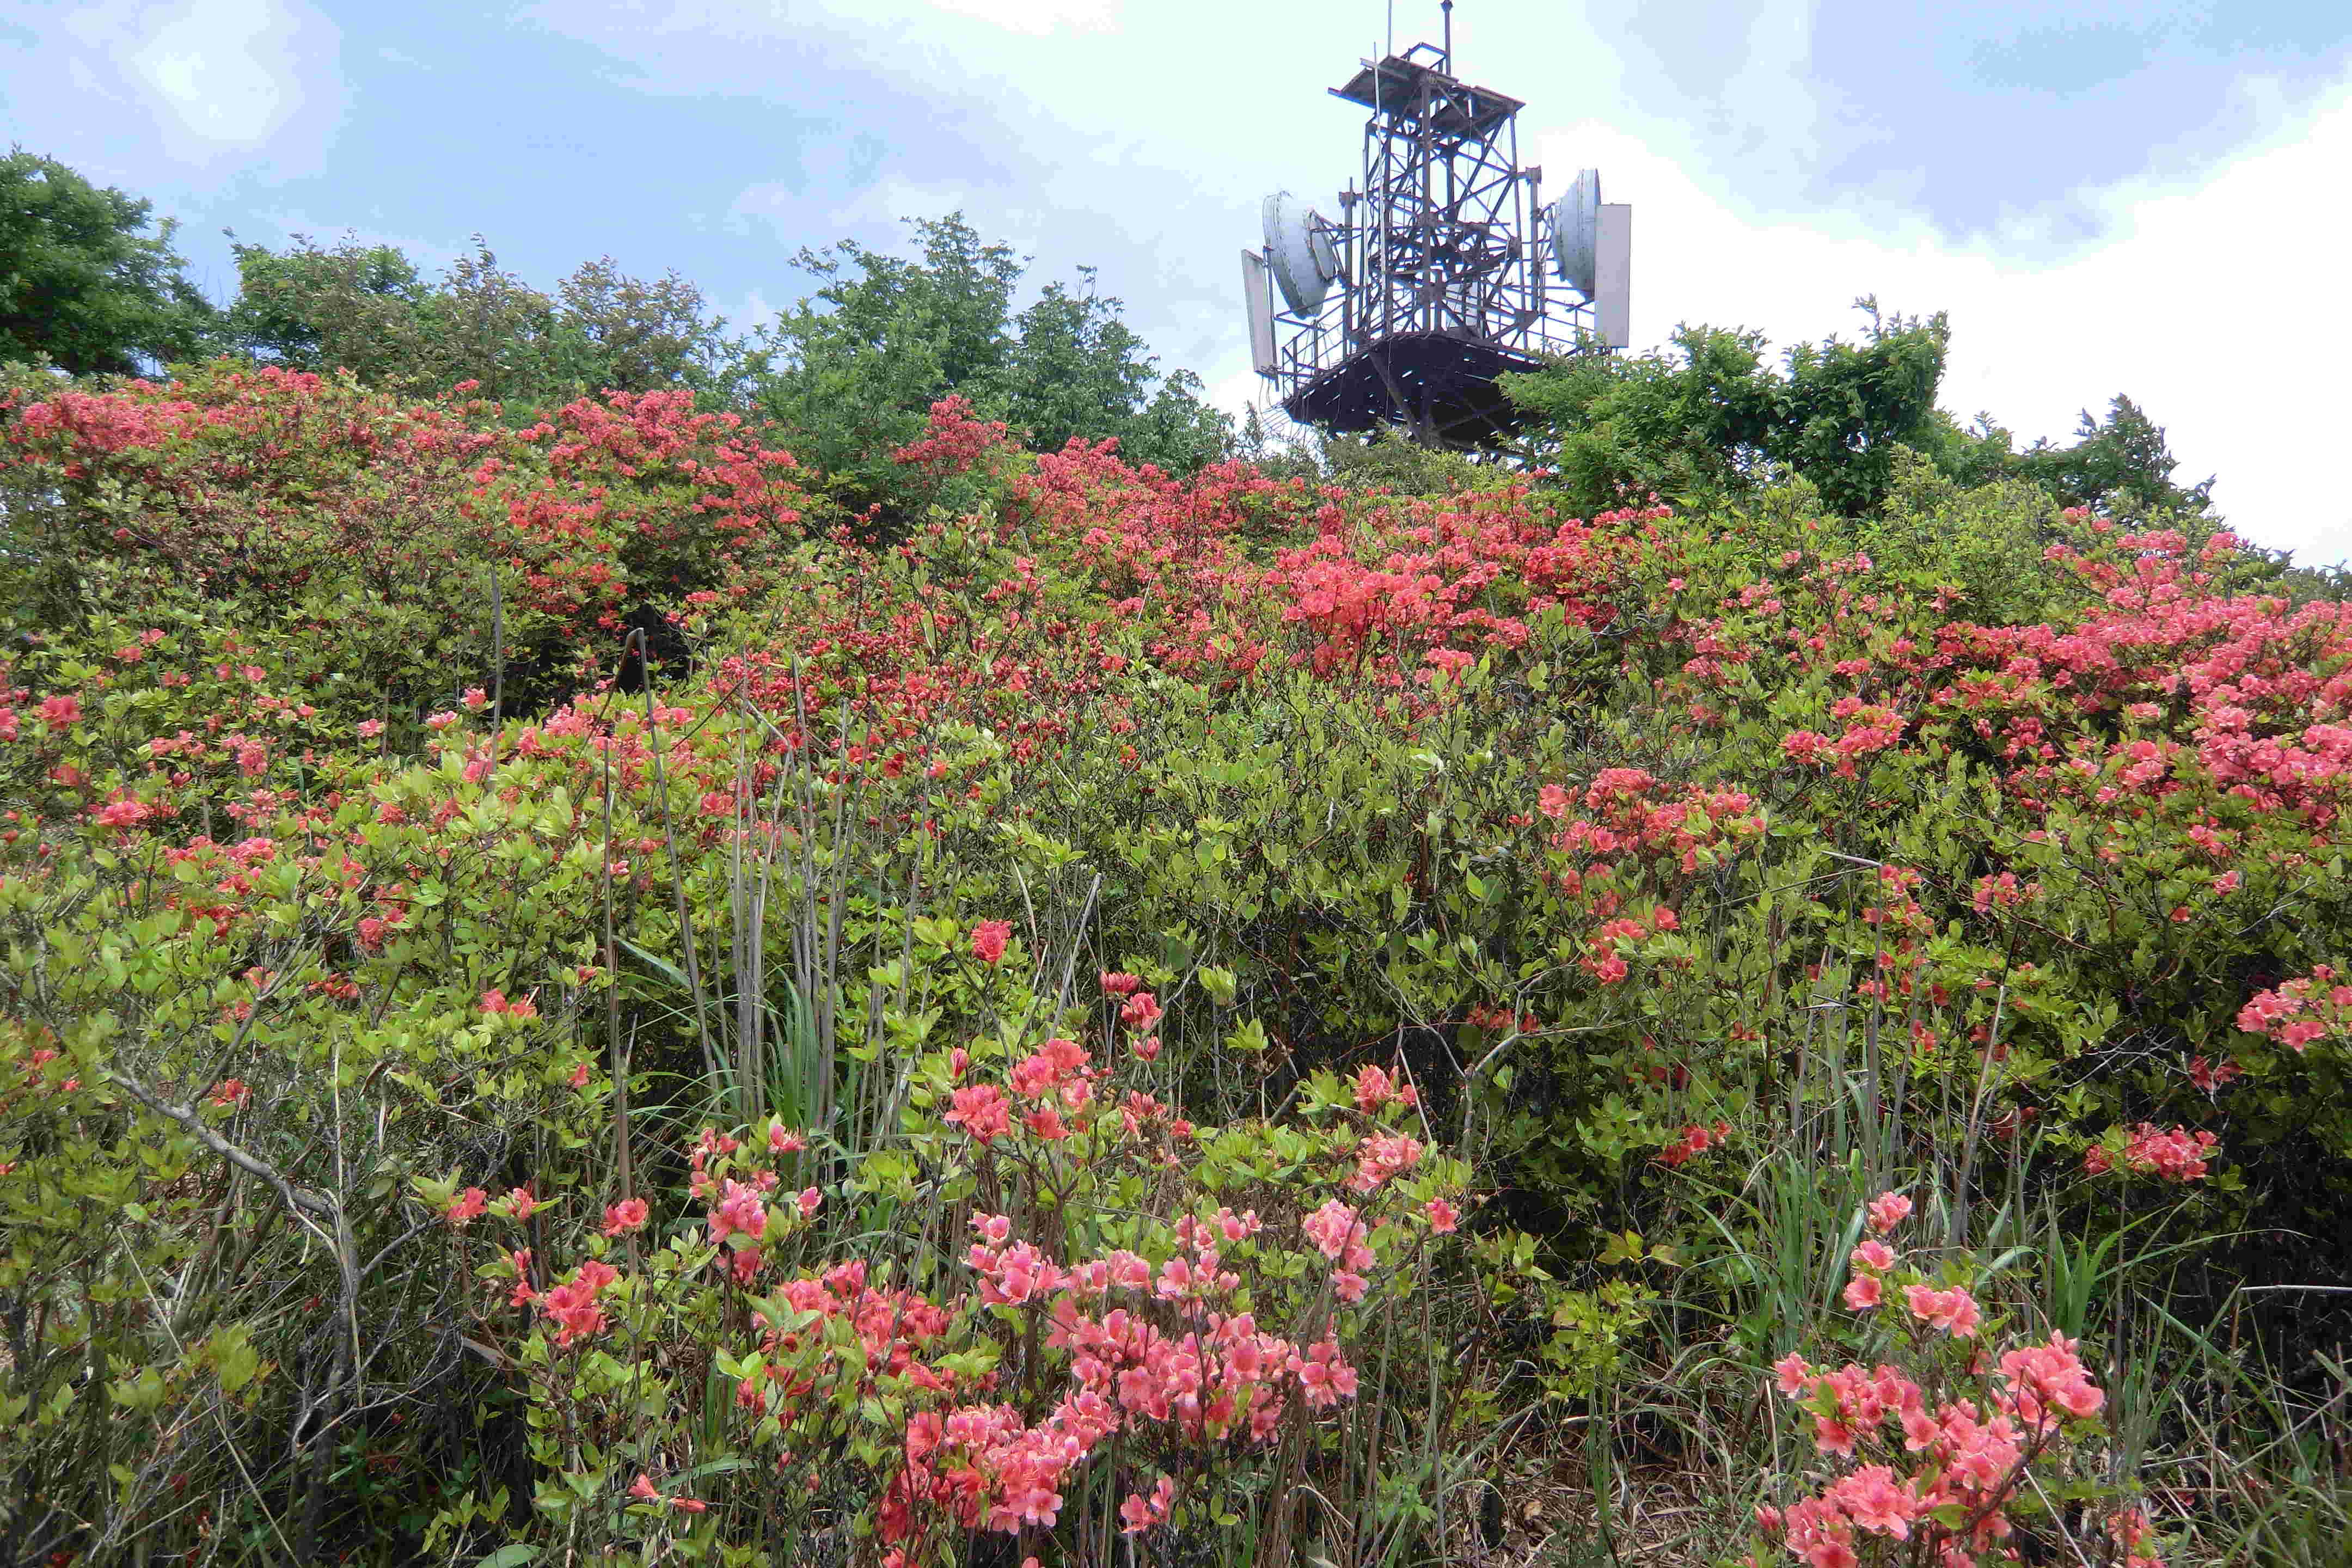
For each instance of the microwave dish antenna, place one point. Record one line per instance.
(1300, 252)
(1576, 231)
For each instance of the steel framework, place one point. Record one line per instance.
(1444, 283)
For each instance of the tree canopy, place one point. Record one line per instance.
(849, 374)
(1712, 417)
(367, 309)
(856, 366)
(84, 279)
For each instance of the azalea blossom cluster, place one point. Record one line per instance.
(1695, 1138)
(1050, 1089)
(1212, 1332)
(737, 1192)
(2302, 1012)
(1938, 1473)
(1869, 728)
(1388, 590)
(1213, 1374)
(1384, 1153)
(1209, 1373)
(605, 490)
(2251, 683)
(571, 1307)
(1631, 812)
(2174, 1155)
(897, 1334)
(1058, 1076)
(954, 441)
(1627, 829)
(574, 1308)
(2176, 735)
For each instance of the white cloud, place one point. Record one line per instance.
(223, 78)
(2206, 307)
(208, 64)
(1037, 17)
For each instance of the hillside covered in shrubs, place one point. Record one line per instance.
(656, 974)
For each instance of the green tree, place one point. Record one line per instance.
(1847, 406)
(616, 331)
(1675, 425)
(1390, 460)
(855, 369)
(367, 309)
(856, 366)
(1968, 454)
(484, 324)
(1075, 371)
(360, 308)
(83, 281)
(2120, 465)
(1712, 419)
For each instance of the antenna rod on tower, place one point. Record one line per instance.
(1448, 8)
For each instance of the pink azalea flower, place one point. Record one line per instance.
(988, 940)
(981, 1109)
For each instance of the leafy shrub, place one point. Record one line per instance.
(1703, 876)
(1154, 1326)
(421, 549)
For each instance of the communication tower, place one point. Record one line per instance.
(1444, 269)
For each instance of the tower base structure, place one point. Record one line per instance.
(1438, 387)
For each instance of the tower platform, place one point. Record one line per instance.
(1441, 385)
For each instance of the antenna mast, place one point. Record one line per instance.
(1443, 271)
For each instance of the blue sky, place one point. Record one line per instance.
(2106, 196)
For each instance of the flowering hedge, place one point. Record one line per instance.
(1611, 871)
(1937, 1456)
(1090, 1334)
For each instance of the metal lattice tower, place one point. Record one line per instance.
(1443, 258)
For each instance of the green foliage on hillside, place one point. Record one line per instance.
(853, 371)
(366, 308)
(1365, 1009)
(2120, 466)
(848, 376)
(1710, 420)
